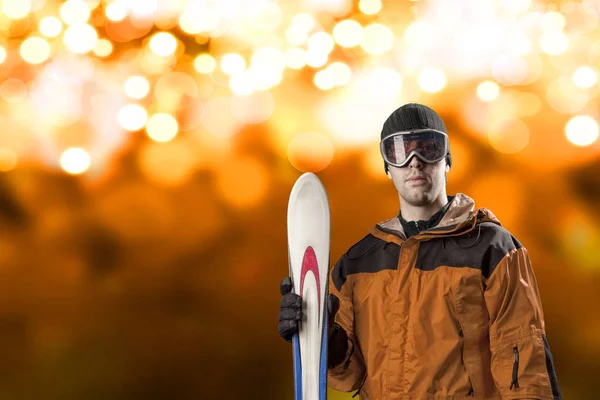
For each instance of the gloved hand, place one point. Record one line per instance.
(290, 312)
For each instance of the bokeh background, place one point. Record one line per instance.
(148, 148)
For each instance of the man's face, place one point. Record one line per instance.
(419, 183)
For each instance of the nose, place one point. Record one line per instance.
(415, 162)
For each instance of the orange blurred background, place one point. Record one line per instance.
(148, 149)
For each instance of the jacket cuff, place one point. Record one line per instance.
(337, 346)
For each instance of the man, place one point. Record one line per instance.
(440, 302)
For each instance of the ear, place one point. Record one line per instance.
(447, 168)
(389, 175)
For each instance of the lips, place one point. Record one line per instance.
(416, 179)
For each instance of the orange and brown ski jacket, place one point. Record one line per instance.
(451, 313)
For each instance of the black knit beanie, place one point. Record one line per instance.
(414, 116)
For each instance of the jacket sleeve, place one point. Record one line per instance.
(349, 373)
(521, 361)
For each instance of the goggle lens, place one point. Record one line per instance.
(430, 146)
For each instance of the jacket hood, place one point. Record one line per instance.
(460, 218)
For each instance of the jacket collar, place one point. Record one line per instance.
(460, 217)
(412, 228)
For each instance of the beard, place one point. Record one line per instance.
(418, 197)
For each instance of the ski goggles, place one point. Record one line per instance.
(428, 145)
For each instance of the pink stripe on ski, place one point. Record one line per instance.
(309, 263)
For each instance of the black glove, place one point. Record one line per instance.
(290, 312)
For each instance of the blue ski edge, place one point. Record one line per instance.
(323, 366)
(297, 368)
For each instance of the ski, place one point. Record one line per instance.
(308, 224)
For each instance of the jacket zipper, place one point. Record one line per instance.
(515, 374)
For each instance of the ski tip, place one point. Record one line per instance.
(308, 177)
(307, 181)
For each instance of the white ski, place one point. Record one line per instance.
(308, 224)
